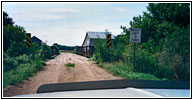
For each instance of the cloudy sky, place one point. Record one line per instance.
(67, 23)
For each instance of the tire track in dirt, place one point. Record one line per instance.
(56, 72)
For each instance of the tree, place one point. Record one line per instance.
(7, 20)
(11, 33)
(14, 34)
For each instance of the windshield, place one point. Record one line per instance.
(61, 42)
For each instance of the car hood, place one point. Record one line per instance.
(125, 92)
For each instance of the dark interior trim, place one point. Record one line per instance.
(113, 84)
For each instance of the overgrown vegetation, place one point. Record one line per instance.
(20, 62)
(56, 50)
(164, 51)
(19, 68)
(123, 70)
(74, 51)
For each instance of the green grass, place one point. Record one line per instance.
(70, 64)
(22, 72)
(125, 71)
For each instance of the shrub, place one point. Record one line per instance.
(16, 49)
(56, 50)
(145, 62)
(45, 52)
(34, 51)
(125, 71)
(74, 50)
(23, 69)
(13, 34)
(11, 63)
(104, 54)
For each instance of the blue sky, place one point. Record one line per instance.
(67, 23)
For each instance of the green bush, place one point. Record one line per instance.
(74, 51)
(145, 62)
(13, 34)
(11, 63)
(34, 51)
(125, 71)
(23, 68)
(104, 54)
(45, 52)
(16, 49)
(56, 50)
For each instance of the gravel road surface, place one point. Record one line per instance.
(56, 72)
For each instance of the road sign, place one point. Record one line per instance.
(28, 40)
(108, 40)
(135, 35)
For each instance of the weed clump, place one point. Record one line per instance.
(70, 64)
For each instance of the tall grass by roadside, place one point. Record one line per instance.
(24, 67)
(125, 71)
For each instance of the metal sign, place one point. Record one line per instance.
(135, 35)
(108, 40)
(28, 40)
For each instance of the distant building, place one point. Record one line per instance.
(91, 36)
(87, 48)
(37, 40)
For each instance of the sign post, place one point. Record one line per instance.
(28, 42)
(108, 40)
(135, 37)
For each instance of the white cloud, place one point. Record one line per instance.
(43, 14)
(65, 10)
(122, 9)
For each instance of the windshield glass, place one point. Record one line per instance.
(60, 42)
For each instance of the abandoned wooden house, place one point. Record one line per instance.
(87, 48)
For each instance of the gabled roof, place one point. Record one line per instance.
(34, 37)
(97, 35)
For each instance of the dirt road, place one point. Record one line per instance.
(57, 72)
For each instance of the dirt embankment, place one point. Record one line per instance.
(57, 72)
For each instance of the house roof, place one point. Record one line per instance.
(96, 35)
(34, 37)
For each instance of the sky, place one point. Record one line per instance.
(66, 23)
